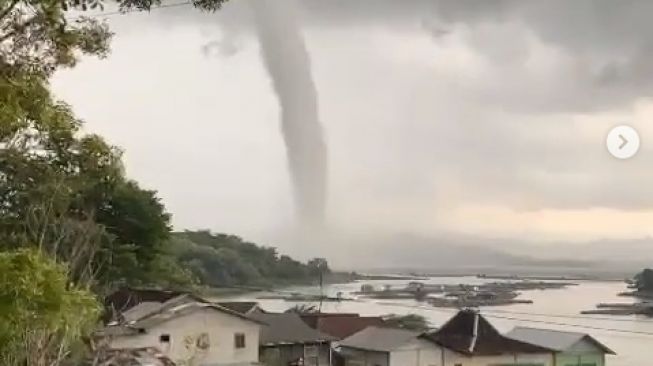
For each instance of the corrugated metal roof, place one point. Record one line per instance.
(553, 339)
(242, 307)
(141, 310)
(379, 339)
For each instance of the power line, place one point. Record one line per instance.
(572, 325)
(532, 320)
(567, 316)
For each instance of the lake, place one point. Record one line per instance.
(552, 309)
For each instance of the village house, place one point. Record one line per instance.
(468, 339)
(570, 348)
(187, 331)
(130, 302)
(287, 340)
(377, 346)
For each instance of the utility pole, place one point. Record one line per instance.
(319, 309)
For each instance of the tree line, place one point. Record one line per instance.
(218, 260)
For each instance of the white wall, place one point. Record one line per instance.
(356, 357)
(417, 353)
(220, 328)
(423, 353)
(452, 358)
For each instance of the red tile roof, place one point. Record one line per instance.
(341, 325)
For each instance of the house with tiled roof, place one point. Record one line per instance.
(469, 339)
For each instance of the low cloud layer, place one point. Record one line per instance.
(485, 118)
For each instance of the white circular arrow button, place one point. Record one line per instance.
(623, 142)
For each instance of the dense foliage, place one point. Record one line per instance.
(414, 322)
(644, 280)
(41, 315)
(66, 193)
(40, 36)
(227, 260)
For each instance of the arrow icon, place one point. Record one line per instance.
(624, 142)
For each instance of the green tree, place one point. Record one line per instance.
(40, 36)
(409, 321)
(227, 260)
(644, 280)
(41, 314)
(67, 194)
(318, 266)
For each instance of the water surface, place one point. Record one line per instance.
(552, 309)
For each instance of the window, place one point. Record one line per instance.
(164, 338)
(239, 340)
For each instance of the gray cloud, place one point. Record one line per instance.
(427, 107)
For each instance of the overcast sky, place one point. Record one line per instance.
(484, 118)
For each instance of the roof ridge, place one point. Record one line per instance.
(550, 330)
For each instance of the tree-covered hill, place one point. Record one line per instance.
(219, 260)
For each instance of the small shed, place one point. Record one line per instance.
(571, 348)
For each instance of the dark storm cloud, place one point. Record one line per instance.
(606, 45)
(428, 106)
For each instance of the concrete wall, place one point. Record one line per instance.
(583, 353)
(417, 353)
(452, 359)
(566, 359)
(281, 355)
(218, 328)
(423, 353)
(356, 357)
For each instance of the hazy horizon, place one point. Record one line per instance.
(449, 119)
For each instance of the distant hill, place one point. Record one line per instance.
(452, 253)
